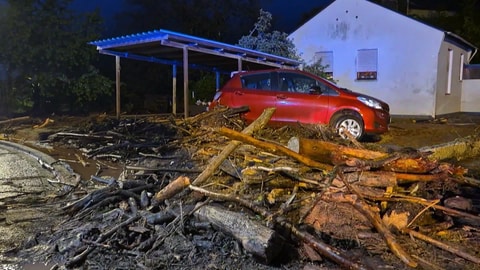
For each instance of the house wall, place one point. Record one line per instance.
(407, 52)
(449, 101)
(470, 101)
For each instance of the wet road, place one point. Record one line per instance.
(29, 180)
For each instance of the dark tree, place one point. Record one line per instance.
(46, 58)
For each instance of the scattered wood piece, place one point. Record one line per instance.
(256, 238)
(213, 165)
(172, 189)
(442, 245)
(45, 123)
(12, 120)
(272, 148)
(329, 252)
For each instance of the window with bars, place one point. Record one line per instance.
(367, 64)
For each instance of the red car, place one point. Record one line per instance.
(302, 97)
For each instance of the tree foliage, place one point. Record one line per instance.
(274, 42)
(47, 61)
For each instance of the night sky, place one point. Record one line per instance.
(287, 14)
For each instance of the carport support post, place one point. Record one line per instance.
(239, 64)
(174, 90)
(117, 86)
(217, 81)
(186, 94)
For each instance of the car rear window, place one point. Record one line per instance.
(257, 81)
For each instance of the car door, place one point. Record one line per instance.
(256, 93)
(296, 102)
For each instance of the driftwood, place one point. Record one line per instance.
(404, 162)
(329, 152)
(459, 149)
(328, 251)
(213, 165)
(13, 120)
(256, 238)
(172, 189)
(272, 148)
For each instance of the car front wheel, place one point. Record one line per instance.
(351, 124)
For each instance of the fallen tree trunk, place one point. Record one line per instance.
(273, 148)
(256, 239)
(336, 154)
(459, 149)
(324, 151)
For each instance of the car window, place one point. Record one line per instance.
(299, 83)
(257, 81)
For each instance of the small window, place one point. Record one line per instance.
(325, 59)
(367, 60)
(257, 81)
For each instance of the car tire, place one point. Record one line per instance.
(350, 123)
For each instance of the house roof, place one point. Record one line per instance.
(167, 47)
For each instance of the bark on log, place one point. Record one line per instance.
(371, 179)
(332, 153)
(172, 189)
(272, 148)
(255, 238)
(458, 149)
(258, 124)
(323, 151)
(411, 165)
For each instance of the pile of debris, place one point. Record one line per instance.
(208, 192)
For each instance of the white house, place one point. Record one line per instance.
(416, 68)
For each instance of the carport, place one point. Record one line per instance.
(185, 51)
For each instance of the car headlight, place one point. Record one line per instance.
(370, 102)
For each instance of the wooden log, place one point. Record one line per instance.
(213, 165)
(18, 119)
(324, 151)
(336, 154)
(411, 165)
(272, 148)
(459, 149)
(371, 178)
(172, 189)
(256, 239)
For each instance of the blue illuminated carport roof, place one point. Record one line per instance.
(167, 47)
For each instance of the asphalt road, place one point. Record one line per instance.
(29, 180)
